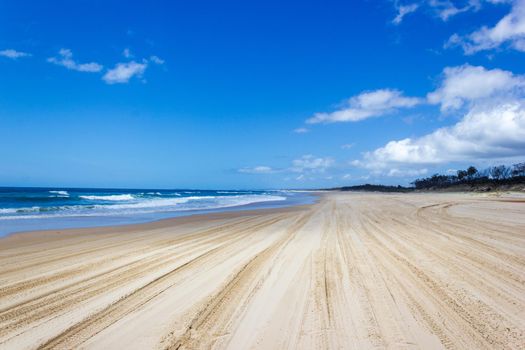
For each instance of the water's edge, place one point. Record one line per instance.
(45, 224)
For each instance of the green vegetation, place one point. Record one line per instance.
(470, 179)
(376, 188)
(492, 177)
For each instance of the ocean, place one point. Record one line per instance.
(27, 209)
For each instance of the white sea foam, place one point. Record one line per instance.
(60, 193)
(19, 210)
(113, 197)
(144, 206)
(149, 203)
(193, 203)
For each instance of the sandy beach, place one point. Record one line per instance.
(353, 271)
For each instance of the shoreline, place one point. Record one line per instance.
(364, 270)
(234, 212)
(138, 219)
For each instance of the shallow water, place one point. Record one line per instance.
(27, 209)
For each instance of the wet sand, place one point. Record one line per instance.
(353, 271)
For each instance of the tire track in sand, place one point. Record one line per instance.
(78, 333)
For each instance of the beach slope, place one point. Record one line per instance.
(353, 271)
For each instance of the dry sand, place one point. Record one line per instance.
(354, 271)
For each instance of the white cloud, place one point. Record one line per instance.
(366, 105)
(127, 53)
(261, 169)
(403, 10)
(395, 172)
(510, 29)
(472, 83)
(301, 130)
(123, 72)
(311, 164)
(65, 59)
(445, 9)
(153, 58)
(486, 132)
(347, 146)
(13, 54)
(492, 128)
(156, 59)
(305, 165)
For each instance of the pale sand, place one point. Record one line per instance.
(355, 271)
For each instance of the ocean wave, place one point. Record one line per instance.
(112, 197)
(230, 192)
(150, 203)
(195, 203)
(234, 201)
(145, 206)
(20, 210)
(60, 193)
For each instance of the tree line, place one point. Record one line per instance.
(496, 175)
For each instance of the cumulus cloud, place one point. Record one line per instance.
(403, 10)
(366, 105)
(65, 59)
(261, 169)
(311, 164)
(487, 132)
(509, 30)
(473, 83)
(123, 72)
(13, 54)
(492, 127)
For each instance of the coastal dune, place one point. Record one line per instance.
(353, 271)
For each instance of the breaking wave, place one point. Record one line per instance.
(60, 193)
(113, 197)
(127, 204)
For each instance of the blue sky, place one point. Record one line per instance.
(257, 94)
